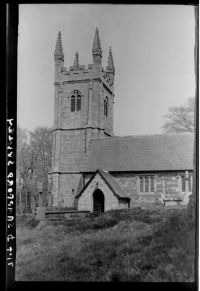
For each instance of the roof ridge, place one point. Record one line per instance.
(101, 170)
(143, 135)
(113, 180)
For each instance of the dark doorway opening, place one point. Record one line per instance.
(98, 201)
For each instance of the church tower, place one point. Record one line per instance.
(83, 109)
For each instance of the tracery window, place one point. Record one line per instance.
(78, 103)
(75, 101)
(141, 184)
(72, 103)
(151, 184)
(147, 184)
(190, 183)
(184, 181)
(106, 107)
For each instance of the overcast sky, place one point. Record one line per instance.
(153, 51)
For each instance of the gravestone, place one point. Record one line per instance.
(40, 215)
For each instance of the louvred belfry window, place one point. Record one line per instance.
(72, 103)
(76, 101)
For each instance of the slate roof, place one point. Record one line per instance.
(110, 181)
(113, 184)
(140, 153)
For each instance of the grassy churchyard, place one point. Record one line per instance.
(138, 245)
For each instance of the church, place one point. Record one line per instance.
(94, 170)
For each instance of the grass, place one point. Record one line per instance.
(137, 245)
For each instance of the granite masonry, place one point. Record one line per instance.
(86, 152)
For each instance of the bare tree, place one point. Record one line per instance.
(26, 168)
(180, 119)
(41, 145)
(40, 142)
(22, 138)
(33, 160)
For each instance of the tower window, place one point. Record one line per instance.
(72, 103)
(78, 103)
(106, 107)
(75, 101)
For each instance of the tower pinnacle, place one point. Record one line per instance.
(96, 50)
(76, 62)
(58, 53)
(110, 59)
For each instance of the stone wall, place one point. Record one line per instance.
(72, 150)
(64, 188)
(130, 183)
(94, 89)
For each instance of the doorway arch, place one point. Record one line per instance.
(98, 201)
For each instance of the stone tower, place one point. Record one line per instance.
(83, 109)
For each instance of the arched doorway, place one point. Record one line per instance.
(98, 201)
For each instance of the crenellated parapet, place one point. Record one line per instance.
(91, 72)
(85, 74)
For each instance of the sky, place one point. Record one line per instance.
(153, 52)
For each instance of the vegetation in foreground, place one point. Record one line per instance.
(136, 245)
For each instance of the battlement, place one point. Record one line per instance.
(81, 73)
(80, 69)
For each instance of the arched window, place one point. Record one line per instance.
(106, 107)
(72, 103)
(76, 101)
(147, 184)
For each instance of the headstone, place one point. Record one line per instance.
(40, 199)
(40, 186)
(40, 215)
